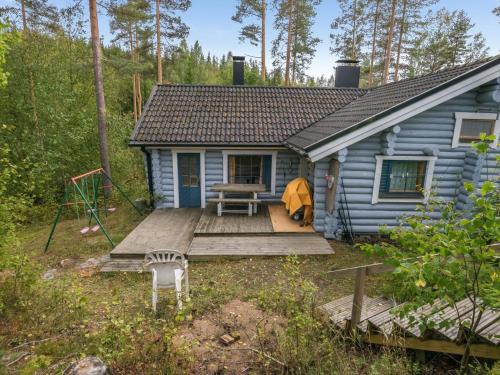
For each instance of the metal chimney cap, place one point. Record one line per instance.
(348, 61)
(238, 58)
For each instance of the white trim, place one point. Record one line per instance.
(431, 161)
(274, 155)
(202, 147)
(175, 172)
(460, 116)
(405, 113)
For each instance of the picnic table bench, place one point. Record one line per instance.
(252, 201)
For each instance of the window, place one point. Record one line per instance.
(250, 167)
(402, 178)
(245, 169)
(469, 126)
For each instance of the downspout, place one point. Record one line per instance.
(149, 169)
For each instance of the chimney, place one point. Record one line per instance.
(347, 73)
(238, 70)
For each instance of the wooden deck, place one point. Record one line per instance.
(162, 229)
(201, 235)
(211, 224)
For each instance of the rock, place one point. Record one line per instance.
(66, 263)
(89, 263)
(50, 274)
(87, 366)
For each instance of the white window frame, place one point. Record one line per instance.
(175, 172)
(431, 161)
(459, 116)
(274, 154)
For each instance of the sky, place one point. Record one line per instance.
(210, 23)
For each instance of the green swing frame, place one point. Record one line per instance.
(81, 190)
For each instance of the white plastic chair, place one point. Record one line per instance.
(169, 269)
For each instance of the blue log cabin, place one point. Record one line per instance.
(370, 155)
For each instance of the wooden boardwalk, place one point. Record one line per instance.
(162, 229)
(375, 321)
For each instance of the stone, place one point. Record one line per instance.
(87, 366)
(66, 263)
(50, 274)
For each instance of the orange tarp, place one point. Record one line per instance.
(297, 194)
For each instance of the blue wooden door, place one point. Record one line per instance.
(189, 180)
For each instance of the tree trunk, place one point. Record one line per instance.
(134, 94)
(400, 41)
(372, 57)
(388, 46)
(30, 74)
(353, 52)
(138, 77)
(158, 44)
(263, 41)
(289, 43)
(99, 95)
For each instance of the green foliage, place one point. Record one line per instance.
(449, 258)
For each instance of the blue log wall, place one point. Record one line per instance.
(431, 129)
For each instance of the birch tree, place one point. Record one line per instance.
(255, 32)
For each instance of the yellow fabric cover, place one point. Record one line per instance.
(297, 194)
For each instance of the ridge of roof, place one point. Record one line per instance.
(261, 87)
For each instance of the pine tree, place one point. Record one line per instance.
(348, 29)
(389, 40)
(445, 41)
(169, 26)
(294, 46)
(99, 92)
(255, 33)
(131, 24)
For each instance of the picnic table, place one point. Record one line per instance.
(252, 201)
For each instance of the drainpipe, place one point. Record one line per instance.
(149, 170)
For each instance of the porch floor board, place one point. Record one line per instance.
(211, 224)
(244, 246)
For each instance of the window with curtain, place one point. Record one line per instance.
(250, 169)
(402, 178)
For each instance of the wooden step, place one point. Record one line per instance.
(123, 265)
(248, 246)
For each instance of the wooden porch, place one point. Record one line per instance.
(201, 235)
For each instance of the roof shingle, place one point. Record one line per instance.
(379, 101)
(239, 115)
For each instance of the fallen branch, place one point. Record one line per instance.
(259, 352)
(29, 343)
(23, 355)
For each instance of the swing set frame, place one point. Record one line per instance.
(90, 204)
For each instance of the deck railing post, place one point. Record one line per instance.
(357, 299)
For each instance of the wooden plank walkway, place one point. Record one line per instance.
(162, 229)
(211, 224)
(375, 320)
(245, 246)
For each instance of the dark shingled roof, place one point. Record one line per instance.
(235, 115)
(381, 101)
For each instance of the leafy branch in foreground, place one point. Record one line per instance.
(450, 259)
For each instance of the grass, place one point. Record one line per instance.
(51, 323)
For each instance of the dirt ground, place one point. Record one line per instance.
(251, 327)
